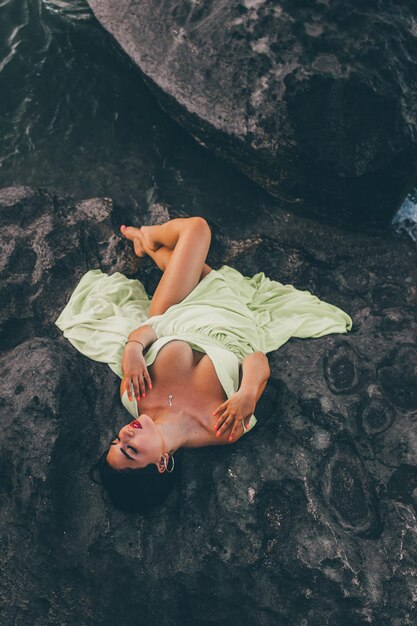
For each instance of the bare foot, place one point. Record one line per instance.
(135, 236)
(141, 238)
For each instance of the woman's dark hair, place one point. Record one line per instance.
(136, 490)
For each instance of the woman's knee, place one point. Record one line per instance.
(200, 228)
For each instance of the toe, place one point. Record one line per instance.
(123, 230)
(128, 231)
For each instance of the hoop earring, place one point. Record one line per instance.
(171, 458)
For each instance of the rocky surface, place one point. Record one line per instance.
(315, 100)
(309, 520)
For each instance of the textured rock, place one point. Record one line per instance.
(310, 519)
(314, 101)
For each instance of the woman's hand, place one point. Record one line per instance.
(233, 412)
(135, 371)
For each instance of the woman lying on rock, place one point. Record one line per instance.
(192, 360)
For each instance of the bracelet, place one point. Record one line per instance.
(135, 341)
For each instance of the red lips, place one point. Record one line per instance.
(135, 424)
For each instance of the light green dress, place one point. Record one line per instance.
(227, 316)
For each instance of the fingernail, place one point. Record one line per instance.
(138, 398)
(144, 395)
(130, 398)
(230, 438)
(122, 226)
(150, 386)
(215, 427)
(218, 434)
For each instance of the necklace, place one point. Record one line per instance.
(170, 398)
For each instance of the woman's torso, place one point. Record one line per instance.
(189, 377)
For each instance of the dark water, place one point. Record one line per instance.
(76, 117)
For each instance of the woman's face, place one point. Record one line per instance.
(137, 445)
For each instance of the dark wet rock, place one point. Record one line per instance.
(310, 519)
(375, 415)
(385, 294)
(314, 101)
(341, 369)
(349, 493)
(398, 377)
(403, 484)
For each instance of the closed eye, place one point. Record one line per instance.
(114, 443)
(126, 454)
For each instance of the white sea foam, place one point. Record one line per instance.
(71, 9)
(406, 218)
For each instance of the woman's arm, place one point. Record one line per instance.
(255, 374)
(240, 405)
(145, 334)
(133, 362)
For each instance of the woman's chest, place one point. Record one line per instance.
(182, 375)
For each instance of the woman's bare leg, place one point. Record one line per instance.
(179, 247)
(145, 245)
(162, 256)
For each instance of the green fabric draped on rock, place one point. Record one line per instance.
(227, 316)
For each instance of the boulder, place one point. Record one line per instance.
(309, 519)
(315, 101)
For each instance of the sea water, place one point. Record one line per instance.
(77, 118)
